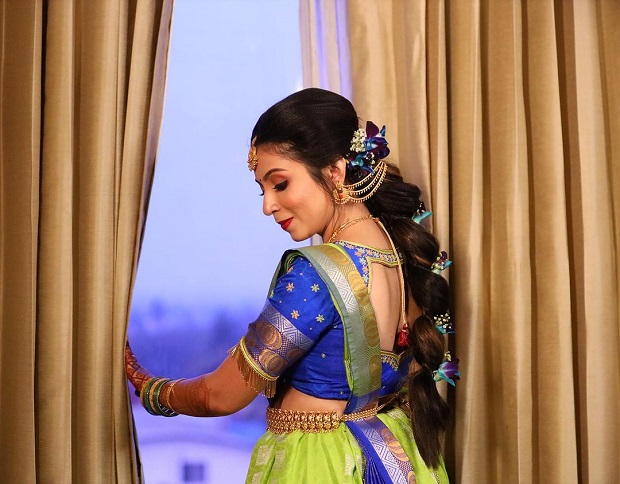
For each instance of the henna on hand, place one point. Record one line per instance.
(136, 373)
(192, 397)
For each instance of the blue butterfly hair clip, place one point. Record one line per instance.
(441, 262)
(421, 213)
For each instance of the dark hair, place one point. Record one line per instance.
(315, 126)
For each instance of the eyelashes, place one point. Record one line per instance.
(279, 187)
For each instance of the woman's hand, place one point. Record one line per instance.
(136, 374)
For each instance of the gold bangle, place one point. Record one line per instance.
(157, 388)
(168, 394)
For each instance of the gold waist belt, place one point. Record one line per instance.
(285, 421)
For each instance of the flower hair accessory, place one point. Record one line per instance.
(441, 262)
(448, 370)
(421, 213)
(368, 146)
(443, 324)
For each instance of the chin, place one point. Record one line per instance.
(297, 237)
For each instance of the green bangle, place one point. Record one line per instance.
(151, 395)
(144, 394)
(148, 394)
(155, 394)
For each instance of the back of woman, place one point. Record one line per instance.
(350, 343)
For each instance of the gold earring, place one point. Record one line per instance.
(340, 193)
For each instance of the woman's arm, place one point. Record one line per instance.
(298, 311)
(221, 392)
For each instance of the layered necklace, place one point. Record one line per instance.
(345, 225)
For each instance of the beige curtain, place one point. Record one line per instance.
(507, 114)
(81, 96)
(325, 45)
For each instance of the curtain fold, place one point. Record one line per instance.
(94, 85)
(20, 79)
(507, 115)
(325, 46)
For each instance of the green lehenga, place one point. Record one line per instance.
(330, 457)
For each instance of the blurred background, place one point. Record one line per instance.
(209, 253)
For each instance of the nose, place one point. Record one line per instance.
(270, 205)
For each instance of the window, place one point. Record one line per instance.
(209, 253)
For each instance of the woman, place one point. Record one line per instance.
(350, 343)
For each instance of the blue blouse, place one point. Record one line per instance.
(298, 338)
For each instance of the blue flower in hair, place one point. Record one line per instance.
(367, 147)
(448, 370)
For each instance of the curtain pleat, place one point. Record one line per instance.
(506, 114)
(20, 144)
(554, 418)
(325, 46)
(100, 67)
(594, 250)
(55, 298)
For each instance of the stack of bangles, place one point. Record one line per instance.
(150, 396)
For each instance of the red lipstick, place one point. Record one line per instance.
(285, 223)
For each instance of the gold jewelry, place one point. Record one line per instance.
(252, 156)
(280, 421)
(370, 184)
(168, 393)
(401, 275)
(340, 193)
(348, 223)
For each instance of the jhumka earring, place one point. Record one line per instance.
(340, 193)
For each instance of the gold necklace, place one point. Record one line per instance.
(345, 225)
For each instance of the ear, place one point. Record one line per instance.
(337, 170)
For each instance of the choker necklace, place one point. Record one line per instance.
(345, 225)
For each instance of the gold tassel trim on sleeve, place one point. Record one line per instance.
(253, 375)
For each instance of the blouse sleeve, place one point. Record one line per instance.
(297, 312)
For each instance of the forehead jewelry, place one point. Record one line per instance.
(252, 156)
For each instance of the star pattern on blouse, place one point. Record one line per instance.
(295, 314)
(290, 286)
(320, 318)
(289, 270)
(315, 288)
(271, 293)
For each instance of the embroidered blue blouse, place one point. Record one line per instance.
(299, 339)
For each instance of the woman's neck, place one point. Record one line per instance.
(344, 220)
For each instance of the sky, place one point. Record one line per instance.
(207, 242)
